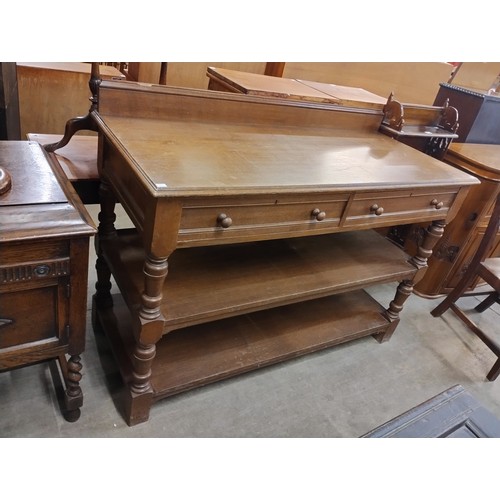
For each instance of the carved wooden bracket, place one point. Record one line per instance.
(449, 117)
(393, 113)
(81, 122)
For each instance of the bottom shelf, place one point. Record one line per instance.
(201, 354)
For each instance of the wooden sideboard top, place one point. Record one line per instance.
(78, 158)
(32, 178)
(180, 159)
(184, 143)
(486, 156)
(40, 204)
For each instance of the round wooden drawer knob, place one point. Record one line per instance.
(224, 221)
(5, 181)
(437, 204)
(376, 209)
(318, 214)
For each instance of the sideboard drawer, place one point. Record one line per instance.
(34, 271)
(260, 218)
(29, 315)
(398, 207)
(34, 251)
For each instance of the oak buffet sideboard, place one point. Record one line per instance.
(252, 237)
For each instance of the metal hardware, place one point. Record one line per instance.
(42, 270)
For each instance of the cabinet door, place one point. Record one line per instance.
(463, 263)
(33, 320)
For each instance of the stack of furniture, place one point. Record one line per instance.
(290, 88)
(278, 202)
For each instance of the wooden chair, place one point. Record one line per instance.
(489, 270)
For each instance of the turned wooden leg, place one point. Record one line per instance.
(151, 329)
(102, 298)
(424, 249)
(403, 291)
(73, 398)
(107, 215)
(140, 397)
(405, 288)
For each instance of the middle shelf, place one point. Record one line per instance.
(211, 283)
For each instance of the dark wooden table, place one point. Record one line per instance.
(44, 241)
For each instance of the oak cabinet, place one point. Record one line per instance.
(44, 240)
(462, 236)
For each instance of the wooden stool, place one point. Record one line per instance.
(78, 160)
(489, 271)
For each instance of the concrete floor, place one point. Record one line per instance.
(344, 391)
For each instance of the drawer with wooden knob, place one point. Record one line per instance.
(262, 218)
(398, 207)
(32, 314)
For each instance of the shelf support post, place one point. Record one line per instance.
(424, 250)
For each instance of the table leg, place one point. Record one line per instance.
(72, 399)
(102, 297)
(405, 288)
(150, 331)
(424, 247)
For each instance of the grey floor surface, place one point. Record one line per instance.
(341, 392)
